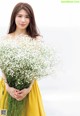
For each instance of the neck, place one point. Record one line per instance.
(18, 32)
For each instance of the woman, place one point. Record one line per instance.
(23, 22)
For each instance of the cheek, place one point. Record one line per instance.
(28, 21)
(17, 20)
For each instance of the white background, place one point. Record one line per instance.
(59, 24)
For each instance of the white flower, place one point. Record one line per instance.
(23, 60)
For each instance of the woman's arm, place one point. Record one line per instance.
(17, 94)
(12, 91)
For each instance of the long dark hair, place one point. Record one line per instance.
(32, 28)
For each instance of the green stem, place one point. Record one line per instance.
(15, 108)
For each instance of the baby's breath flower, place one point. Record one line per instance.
(24, 60)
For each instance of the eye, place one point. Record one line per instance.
(19, 15)
(27, 16)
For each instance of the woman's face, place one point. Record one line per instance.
(22, 20)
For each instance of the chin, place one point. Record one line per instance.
(22, 28)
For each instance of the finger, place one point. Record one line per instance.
(20, 92)
(19, 99)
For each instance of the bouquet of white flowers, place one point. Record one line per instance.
(24, 60)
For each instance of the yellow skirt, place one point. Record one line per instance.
(34, 105)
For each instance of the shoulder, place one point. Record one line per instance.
(39, 38)
(4, 36)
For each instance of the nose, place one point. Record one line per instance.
(23, 19)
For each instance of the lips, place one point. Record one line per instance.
(22, 24)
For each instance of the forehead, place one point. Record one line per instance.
(23, 12)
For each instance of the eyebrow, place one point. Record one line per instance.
(22, 14)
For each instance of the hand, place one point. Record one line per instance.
(18, 94)
(12, 91)
(22, 94)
